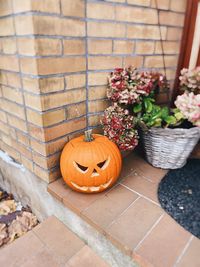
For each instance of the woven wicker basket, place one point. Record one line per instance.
(169, 148)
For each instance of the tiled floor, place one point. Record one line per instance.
(50, 244)
(133, 219)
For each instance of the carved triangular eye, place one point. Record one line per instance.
(80, 167)
(101, 164)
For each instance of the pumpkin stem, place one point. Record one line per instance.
(88, 136)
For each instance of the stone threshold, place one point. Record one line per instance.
(130, 217)
(50, 244)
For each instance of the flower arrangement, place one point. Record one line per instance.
(132, 94)
(127, 88)
(190, 80)
(119, 127)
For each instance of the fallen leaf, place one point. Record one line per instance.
(3, 234)
(7, 206)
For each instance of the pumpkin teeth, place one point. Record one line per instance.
(92, 188)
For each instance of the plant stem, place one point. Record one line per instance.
(88, 136)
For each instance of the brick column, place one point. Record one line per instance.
(55, 56)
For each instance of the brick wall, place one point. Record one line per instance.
(54, 59)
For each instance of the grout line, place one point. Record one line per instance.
(141, 195)
(148, 232)
(184, 250)
(121, 214)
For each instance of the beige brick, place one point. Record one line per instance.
(168, 47)
(27, 163)
(103, 62)
(22, 149)
(75, 81)
(114, 30)
(153, 62)
(75, 8)
(123, 47)
(74, 47)
(98, 106)
(23, 138)
(3, 117)
(29, 65)
(174, 34)
(179, 6)
(58, 26)
(98, 78)
(64, 128)
(11, 79)
(97, 92)
(134, 14)
(36, 132)
(11, 152)
(24, 24)
(4, 128)
(13, 108)
(170, 18)
(46, 162)
(7, 26)
(39, 147)
(94, 120)
(99, 46)
(12, 133)
(171, 74)
(5, 7)
(135, 61)
(76, 110)
(117, 1)
(8, 45)
(45, 119)
(62, 99)
(51, 6)
(33, 101)
(139, 2)
(12, 94)
(161, 4)
(100, 11)
(56, 146)
(6, 139)
(31, 84)
(17, 123)
(52, 84)
(41, 173)
(9, 63)
(144, 47)
(60, 65)
(157, 61)
(41, 46)
(145, 32)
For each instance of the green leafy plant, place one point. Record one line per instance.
(148, 115)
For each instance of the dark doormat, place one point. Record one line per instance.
(179, 195)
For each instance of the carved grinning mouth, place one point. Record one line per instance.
(92, 188)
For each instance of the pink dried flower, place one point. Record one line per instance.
(118, 126)
(190, 80)
(189, 105)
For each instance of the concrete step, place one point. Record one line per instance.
(130, 217)
(50, 244)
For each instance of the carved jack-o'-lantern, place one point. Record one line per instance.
(90, 164)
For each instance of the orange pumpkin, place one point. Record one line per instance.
(90, 164)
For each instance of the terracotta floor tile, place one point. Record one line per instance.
(42, 259)
(134, 223)
(104, 210)
(127, 165)
(80, 201)
(164, 244)
(60, 241)
(141, 186)
(86, 258)
(143, 168)
(191, 257)
(58, 189)
(20, 250)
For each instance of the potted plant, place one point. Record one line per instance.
(169, 135)
(128, 87)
